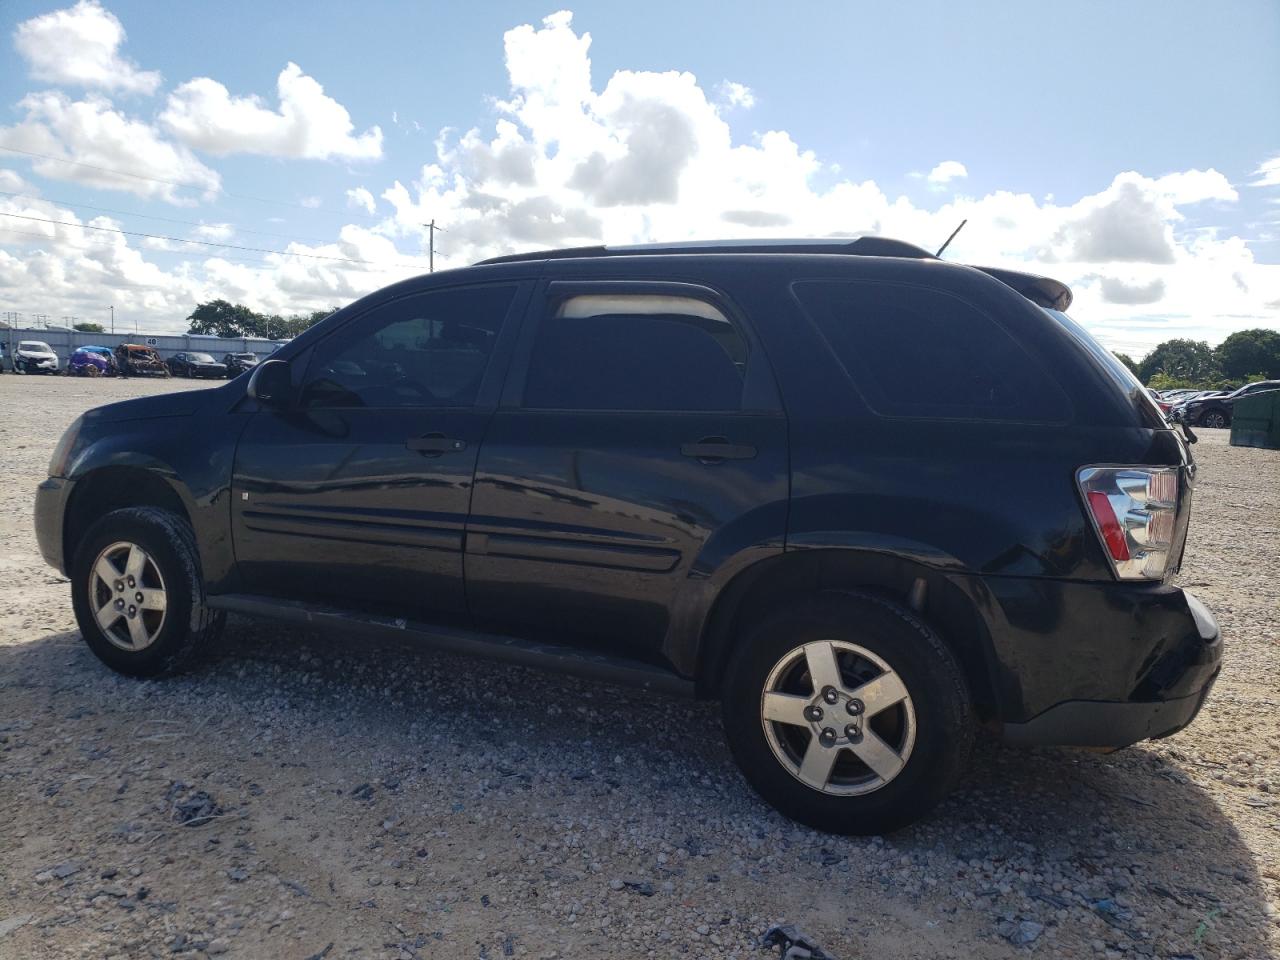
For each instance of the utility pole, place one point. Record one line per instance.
(431, 244)
(112, 308)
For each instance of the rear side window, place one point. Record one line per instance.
(916, 352)
(635, 352)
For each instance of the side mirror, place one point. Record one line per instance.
(271, 384)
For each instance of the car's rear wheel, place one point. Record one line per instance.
(138, 594)
(848, 713)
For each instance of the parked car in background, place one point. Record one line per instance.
(92, 361)
(1214, 410)
(870, 501)
(238, 363)
(196, 365)
(34, 356)
(1164, 405)
(136, 360)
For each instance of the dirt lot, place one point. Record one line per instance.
(391, 802)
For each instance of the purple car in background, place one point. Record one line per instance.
(92, 361)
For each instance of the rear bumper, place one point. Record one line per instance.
(1108, 724)
(50, 508)
(1098, 664)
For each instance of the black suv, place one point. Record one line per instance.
(196, 365)
(869, 500)
(1216, 411)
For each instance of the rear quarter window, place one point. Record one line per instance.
(913, 351)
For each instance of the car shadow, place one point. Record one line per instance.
(1126, 850)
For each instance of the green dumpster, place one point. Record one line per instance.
(1255, 420)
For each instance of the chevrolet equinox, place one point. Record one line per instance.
(869, 500)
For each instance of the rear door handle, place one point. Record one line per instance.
(715, 449)
(435, 444)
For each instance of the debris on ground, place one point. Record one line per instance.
(793, 944)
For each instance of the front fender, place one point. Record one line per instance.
(193, 456)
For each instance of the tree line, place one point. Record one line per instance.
(1245, 356)
(221, 318)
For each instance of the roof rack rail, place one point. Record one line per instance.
(862, 247)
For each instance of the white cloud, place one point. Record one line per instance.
(1268, 173)
(98, 140)
(361, 199)
(312, 202)
(217, 232)
(80, 46)
(733, 94)
(1115, 290)
(945, 172)
(203, 114)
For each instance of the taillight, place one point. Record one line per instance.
(1133, 510)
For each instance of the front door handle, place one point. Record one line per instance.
(434, 444)
(715, 449)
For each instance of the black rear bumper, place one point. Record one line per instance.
(1108, 724)
(1098, 665)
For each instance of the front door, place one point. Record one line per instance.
(356, 496)
(640, 444)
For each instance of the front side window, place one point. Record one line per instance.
(426, 350)
(635, 352)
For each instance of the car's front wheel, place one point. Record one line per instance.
(848, 713)
(1214, 418)
(138, 594)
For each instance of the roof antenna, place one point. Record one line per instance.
(950, 238)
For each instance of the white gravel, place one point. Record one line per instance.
(394, 802)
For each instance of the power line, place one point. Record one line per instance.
(223, 256)
(175, 183)
(152, 216)
(206, 243)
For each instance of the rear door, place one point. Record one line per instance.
(357, 495)
(640, 444)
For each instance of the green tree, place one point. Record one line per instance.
(89, 327)
(223, 319)
(1128, 361)
(1248, 352)
(1180, 359)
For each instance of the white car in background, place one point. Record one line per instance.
(34, 356)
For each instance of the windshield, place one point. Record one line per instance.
(201, 358)
(34, 346)
(245, 356)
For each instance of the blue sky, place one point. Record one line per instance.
(809, 119)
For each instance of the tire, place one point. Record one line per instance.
(182, 631)
(933, 728)
(1215, 419)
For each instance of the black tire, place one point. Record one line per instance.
(944, 720)
(189, 628)
(1215, 418)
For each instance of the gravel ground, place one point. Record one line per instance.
(302, 798)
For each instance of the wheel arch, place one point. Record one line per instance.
(765, 585)
(108, 488)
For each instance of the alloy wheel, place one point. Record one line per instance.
(127, 596)
(838, 718)
(1215, 419)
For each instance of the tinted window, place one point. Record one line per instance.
(427, 350)
(636, 352)
(916, 352)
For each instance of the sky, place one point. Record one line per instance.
(288, 155)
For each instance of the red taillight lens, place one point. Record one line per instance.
(1134, 510)
(1108, 525)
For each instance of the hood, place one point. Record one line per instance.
(178, 404)
(38, 354)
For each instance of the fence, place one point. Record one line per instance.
(64, 342)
